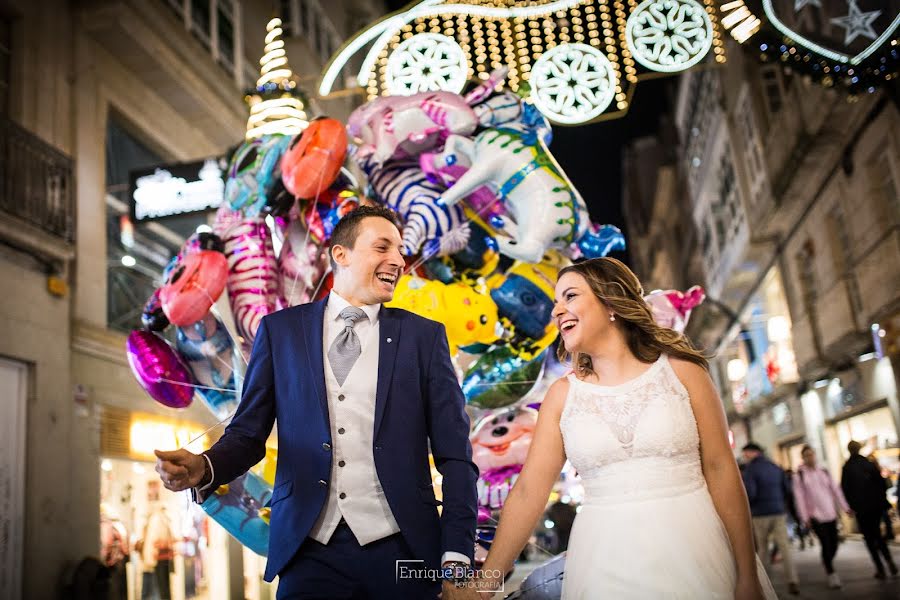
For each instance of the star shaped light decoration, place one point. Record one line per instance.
(857, 23)
(798, 4)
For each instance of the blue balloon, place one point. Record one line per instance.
(599, 241)
(238, 508)
(525, 305)
(208, 351)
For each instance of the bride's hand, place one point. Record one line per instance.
(749, 588)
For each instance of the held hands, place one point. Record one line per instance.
(179, 469)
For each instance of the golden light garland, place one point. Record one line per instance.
(276, 106)
(489, 40)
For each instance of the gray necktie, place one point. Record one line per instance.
(346, 348)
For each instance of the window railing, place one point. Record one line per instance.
(36, 181)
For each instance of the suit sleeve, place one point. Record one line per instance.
(448, 430)
(244, 442)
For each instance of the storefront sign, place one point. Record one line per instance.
(177, 189)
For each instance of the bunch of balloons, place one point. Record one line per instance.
(489, 217)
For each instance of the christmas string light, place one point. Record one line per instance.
(276, 104)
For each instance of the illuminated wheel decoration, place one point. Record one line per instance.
(572, 83)
(669, 35)
(426, 62)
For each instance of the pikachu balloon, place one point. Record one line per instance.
(469, 316)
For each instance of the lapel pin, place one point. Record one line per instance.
(389, 340)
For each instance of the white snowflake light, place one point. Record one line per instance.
(572, 83)
(669, 35)
(426, 62)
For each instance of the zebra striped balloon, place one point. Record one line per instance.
(252, 275)
(429, 226)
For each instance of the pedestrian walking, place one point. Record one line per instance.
(765, 484)
(818, 499)
(864, 488)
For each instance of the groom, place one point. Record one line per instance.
(361, 393)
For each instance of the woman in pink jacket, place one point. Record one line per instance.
(818, 498)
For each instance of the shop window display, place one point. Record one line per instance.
(157, 544)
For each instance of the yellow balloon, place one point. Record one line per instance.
(469, 316)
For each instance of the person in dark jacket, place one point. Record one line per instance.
(863, 487)
(765, 484)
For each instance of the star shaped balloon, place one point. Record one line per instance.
(857, 23)
(798, 4)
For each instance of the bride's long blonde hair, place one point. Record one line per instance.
(619, 289)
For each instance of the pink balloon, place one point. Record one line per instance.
(672, 308)
(402, 126)
(159, 369)
(252, 275)
(194, 286)
(502, 438)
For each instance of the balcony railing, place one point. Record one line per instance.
(36, 181)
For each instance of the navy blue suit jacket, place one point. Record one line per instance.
(417, 400)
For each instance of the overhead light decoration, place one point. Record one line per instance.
(669, 35)
(573, 83)
(426, 62)
(276, 104)
(851, 44)
(443, 44)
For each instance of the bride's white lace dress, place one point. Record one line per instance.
(648, 527)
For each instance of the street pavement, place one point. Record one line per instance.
(852, 564)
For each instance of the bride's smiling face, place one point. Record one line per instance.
(580, 316)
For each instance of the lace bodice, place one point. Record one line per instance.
(633, 441)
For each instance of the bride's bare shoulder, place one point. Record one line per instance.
(555, 399)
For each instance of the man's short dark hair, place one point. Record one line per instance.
(753, 446)
(347, 229)
(854, 447)
(805, 448)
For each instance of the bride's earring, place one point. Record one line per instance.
(612, 317)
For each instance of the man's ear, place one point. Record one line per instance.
(340, 255)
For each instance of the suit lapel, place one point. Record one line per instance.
(388, 341)
(312, 334)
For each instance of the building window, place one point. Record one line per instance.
(137, 253)
(309, 21)
(225, 25)
(774, 86)
(5, 63)
(213, 23)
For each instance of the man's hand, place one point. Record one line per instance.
(179, 469)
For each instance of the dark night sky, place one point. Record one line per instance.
(591, 155)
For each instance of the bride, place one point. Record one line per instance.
(665, 513)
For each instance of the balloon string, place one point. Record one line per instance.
(218, 315)
(533, 544)
(194, 385)
(210, 428)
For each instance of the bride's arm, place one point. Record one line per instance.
(528, 497)
(723, 478)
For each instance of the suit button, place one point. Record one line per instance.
(341, 463)
(326, 446)
(341, 397)
(342, 495)
(341, 431)
(323, 483)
